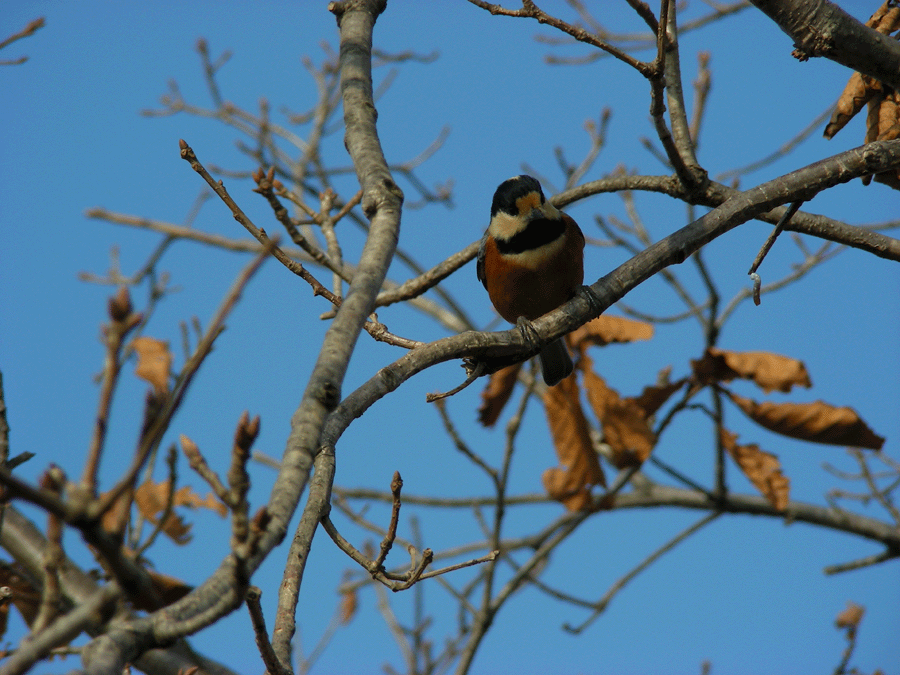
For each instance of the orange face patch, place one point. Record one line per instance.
(528, 203)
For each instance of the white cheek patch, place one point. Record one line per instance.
(537, 257)
(505, 226)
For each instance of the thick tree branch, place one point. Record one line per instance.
(65, 629)
(223, 591)
(318, 504)
(22, 540)
(821, 28)
(509, 346)
(717, 194)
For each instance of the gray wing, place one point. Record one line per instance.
(479, 267)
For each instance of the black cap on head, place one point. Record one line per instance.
(510, 190)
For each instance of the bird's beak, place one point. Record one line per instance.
(537, 214)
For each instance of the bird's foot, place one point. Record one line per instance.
(529, 333)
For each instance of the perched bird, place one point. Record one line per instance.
(531, 261)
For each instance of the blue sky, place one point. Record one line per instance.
(746, 594)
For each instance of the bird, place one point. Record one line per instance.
(531, 261)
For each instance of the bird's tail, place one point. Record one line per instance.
(556, 364)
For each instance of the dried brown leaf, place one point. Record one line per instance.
(888, 130)
(176, 528)
(859, 90)
(580, 470)
(873, 116)
(762, 468)
(151, 498)
(154, 362)
(187, 497)
(886, 18)
(862, 89)
(349, 604)
(24, 597)
(769, 371)
(889, 178)
(654, 396)
(850, 616)
(625, 426)
(817, 422)
(888, 121)
(496, 394)
(605, 330)
(169, 589)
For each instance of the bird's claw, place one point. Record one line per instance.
(529, 333)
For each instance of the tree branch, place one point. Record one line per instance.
(821, 28)
(506, 347)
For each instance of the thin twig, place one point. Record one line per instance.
(53, 481)
(388, 541)
(182, 383)
(163, 519)
(477, 372)
(29, 30)
(198, 463)
(868, 561)
(239, 485)
(785, 219)
(122, 321)
(601, 604)
(530, 10)
(258, 621)
(4, 426)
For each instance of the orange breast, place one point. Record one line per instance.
(516, 290)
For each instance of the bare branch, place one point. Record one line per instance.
(530, 10)
(821, 28)
(30, 29)
(601, 605)
(273, 665)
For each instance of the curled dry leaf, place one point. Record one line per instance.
(605, 330)
(626, 428)
(850, 616)
(187, 497)
(497, 392)
(654, 396)
(858, 92)
(580, 470)
(762, 468)
(769, 371)
(886, 18)
(861, 88)
(888, 129)
(888, 122)
(23, 595)
(349, 604)
(883, 118)
(817, 422)
(154, 362)
(873, 117)
(151, 499)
